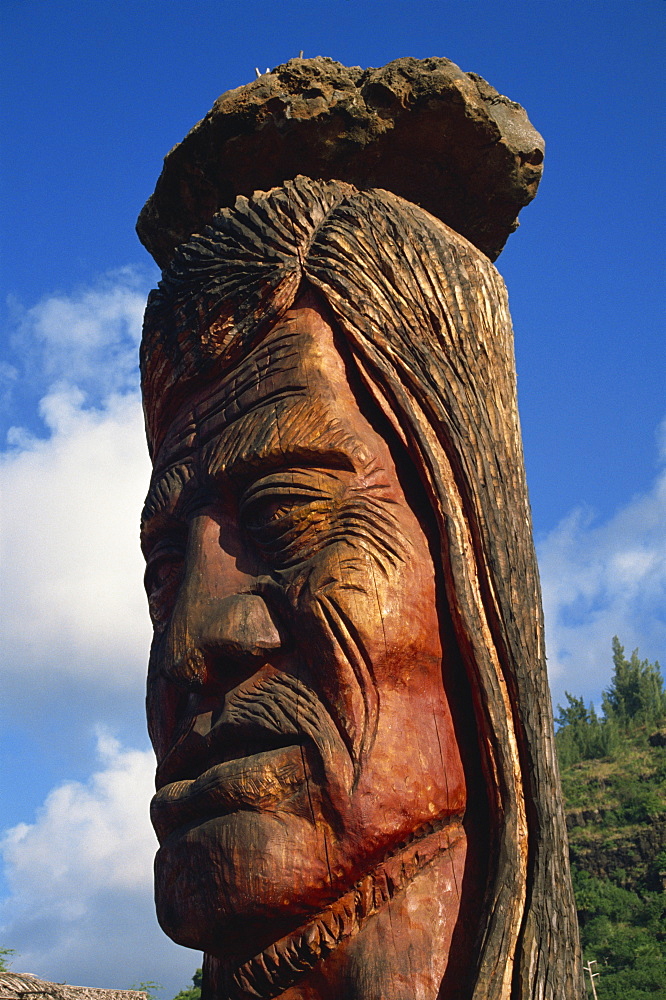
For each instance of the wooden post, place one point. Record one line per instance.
(592, 975)
(357, 788)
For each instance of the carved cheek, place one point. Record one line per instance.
(164, 702)
(340, 631)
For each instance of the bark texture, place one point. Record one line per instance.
(441, 138)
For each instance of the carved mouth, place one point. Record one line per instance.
(203, 745)
(271, 735)
(254, 781)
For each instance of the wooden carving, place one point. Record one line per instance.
(357, 796)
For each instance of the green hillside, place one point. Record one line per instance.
(614, 782)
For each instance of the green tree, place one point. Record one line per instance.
(581, 734)
(574, 714)
(147, 987)
(194, 992)
(634, 698)
(624, 932)
(4, 956)
(636, 693)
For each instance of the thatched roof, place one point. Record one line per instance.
(24, 986)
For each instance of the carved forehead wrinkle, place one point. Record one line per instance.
(276, 406)
(284, 399)
(284, 433)
(272, 364)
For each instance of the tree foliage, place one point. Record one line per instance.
(4, 956)
(194, 991)
(147, 986)
(634, 698)
(615, 779)
(624, 933)
(581, 734)
(636, 695)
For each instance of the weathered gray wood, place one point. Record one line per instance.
(421, 128)
(24, 986)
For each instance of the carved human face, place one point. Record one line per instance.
(295, 696)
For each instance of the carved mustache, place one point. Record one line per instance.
(286, 705)
(266, 711)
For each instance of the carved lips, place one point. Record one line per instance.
(256, 781)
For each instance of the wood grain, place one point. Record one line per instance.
(329, 389)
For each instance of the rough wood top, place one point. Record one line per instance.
(423, 129)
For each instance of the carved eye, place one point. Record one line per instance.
(160, 571)
(286, 514)
(271, 510)
(164, 571)
(162, 580)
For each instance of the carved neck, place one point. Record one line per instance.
(363, 944)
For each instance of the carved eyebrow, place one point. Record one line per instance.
(300, 434)
(166, 487)
(249, 446)
(233, 437)
(163, 495)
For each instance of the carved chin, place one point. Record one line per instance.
(225, 885)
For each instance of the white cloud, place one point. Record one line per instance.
(80, 877)
(73, 607)
(89, 338)
(601, 580)
(73, 602)
(75, 635)
(95, 835)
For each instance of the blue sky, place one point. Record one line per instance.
(94, 96)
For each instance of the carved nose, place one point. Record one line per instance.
(226, 634)
(241, 626)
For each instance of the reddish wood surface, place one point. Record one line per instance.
(357, 794)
